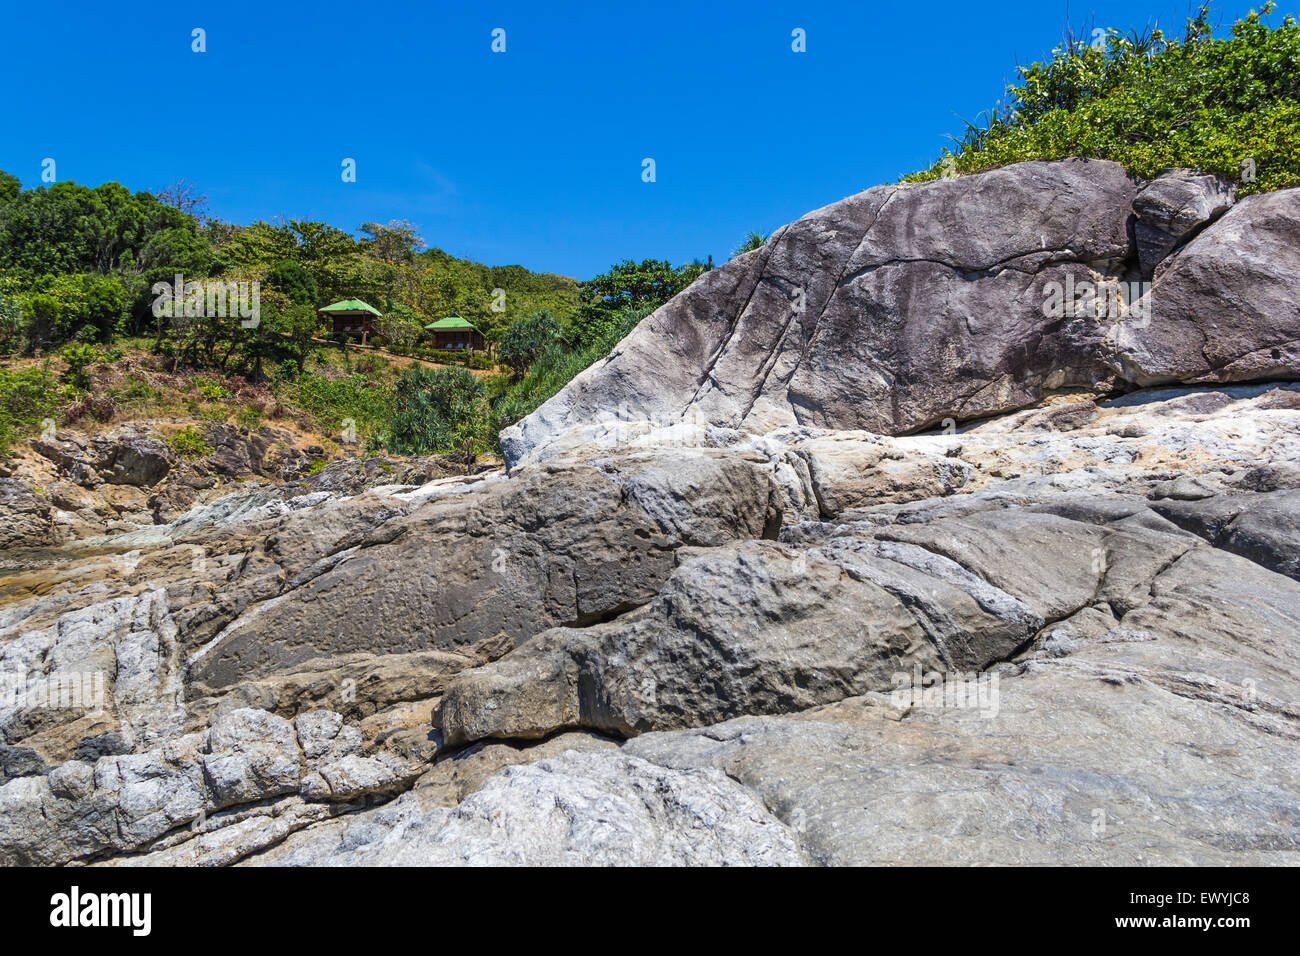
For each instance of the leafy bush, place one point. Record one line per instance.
(752, 241)
(1229, 106)
(60, 308)
(189, 443)
(27, 396)
(137, 388)
(11, 324)
(78, 356)
(366, 402)
(250, 418)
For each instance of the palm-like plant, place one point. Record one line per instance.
(752, 241)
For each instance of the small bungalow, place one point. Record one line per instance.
(351, 317)
(455, 334)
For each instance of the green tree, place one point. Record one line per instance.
(639, 285)
(291, 278)
(11, 324)
(648, 282)
(400, 325)
(27, 396)
(66, 227)
(557, 366)
(397, 242)
(10, 187)
(301, 324)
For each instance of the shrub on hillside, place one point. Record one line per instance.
(78, 356)
(27, 397)
(365, 402)
(526, 339)
(557, 366)
(1229, 106)
(438, 410)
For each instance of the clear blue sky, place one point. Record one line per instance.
(532, 156)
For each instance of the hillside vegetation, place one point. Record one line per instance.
(78, 268)
(1151, 102)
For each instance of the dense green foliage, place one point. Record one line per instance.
(362, 401)
(649, 282)
(627, 284)
(526, 339)
(1229, 106)
(27, 396)
(77, 262)
(438, 410)
(67, 228)
(78, 268)
(189, 443)
(81, 263)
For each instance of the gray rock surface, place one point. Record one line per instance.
(840, 652)
(903, 306)
(24, 515)
(1225, 308)
(578, 809)
(886, 311)
(489, 564)
(1172, 208)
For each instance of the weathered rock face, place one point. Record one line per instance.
(1131, 561)
(773, 633)
(760, 630)
(903, 306)
(491, 564)
(129, 477)
(1172, 208)
(24, 515)
(1226, 307)
(73, 486)
(595, 809)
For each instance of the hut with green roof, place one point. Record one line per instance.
(454, 334)
(351, 317)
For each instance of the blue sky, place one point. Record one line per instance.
(533, 156)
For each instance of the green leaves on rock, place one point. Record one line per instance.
(1228, 106)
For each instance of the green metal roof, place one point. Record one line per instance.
(351, 305)
(451, 322)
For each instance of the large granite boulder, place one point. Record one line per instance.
(905, 306)
(888, 311)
